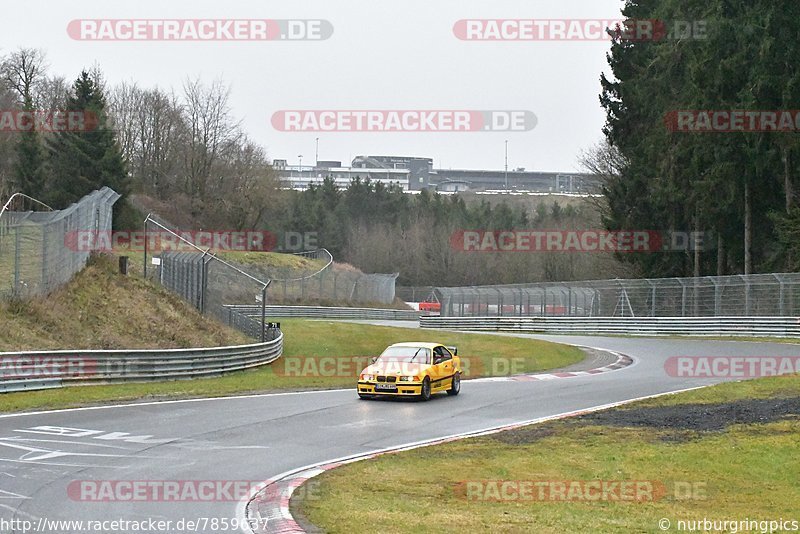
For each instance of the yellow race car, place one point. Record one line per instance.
(412, 370)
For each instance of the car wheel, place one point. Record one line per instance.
(364, 397)
(455, 386)
(426, 389)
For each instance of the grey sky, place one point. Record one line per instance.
(382, 55)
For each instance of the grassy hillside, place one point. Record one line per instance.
(101, 309)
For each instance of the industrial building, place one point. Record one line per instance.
(415, 173)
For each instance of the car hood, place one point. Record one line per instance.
(395, 368)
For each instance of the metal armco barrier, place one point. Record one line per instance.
(28, 371)
(631, 326)
(323, 312)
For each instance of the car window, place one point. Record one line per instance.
(406, 355)
(441, 354)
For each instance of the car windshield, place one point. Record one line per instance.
(406, 355)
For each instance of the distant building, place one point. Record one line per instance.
(301, 178)
(519, 180)
(419, 168)
(415, 173)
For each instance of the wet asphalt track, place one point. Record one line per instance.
(257, 437)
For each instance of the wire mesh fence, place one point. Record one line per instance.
(328, 283)
(415, 294)
(209, 283)
(712, 296)
(41, 249)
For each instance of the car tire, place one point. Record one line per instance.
(425, 392)
(364, 397)
(455, 385)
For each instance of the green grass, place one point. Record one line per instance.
(787, 340)
(745, 471)
(312, 340)
(271, 259)
(101, 309)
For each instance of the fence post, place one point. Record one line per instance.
(781, 299)
(203, 283)
(653, 300)
(145, 245)
(16, 259)
(263, 312)
(45, 278)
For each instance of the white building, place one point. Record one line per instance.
(300, 178)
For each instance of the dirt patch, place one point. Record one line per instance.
(528, 434)
(684, 422)
(700, 417)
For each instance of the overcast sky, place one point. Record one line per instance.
(382, 55)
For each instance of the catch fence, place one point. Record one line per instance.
(776, 294)
(41, 249)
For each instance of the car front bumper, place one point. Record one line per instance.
(401, 389)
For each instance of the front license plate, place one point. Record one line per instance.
(386, 387)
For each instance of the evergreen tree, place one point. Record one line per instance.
(88, 159)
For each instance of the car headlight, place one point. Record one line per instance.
(409, 379)
(368, 378)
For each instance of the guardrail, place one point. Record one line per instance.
(631, 326)
(323, 312)
(28, 371)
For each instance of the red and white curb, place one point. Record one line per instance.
(622, 361)
(266, 510)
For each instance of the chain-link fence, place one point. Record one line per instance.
(711, 296)
(41, 250)
(415, 294)
(209, 283)
(326, 283)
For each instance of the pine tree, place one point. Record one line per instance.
(85, 160)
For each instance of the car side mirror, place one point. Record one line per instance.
(374, 359)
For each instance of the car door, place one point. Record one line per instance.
(443, 367)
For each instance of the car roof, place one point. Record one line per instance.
(424, 344)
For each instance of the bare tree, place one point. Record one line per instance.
(211, 131)
(245, 187)
(150, 131)
(22, 71)
(123, 101)
(52, 93)
(7, 143)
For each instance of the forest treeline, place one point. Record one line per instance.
(184, 148)
(739, 186)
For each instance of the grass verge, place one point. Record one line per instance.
(728, 452)
(101, 309)
(312, 343)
